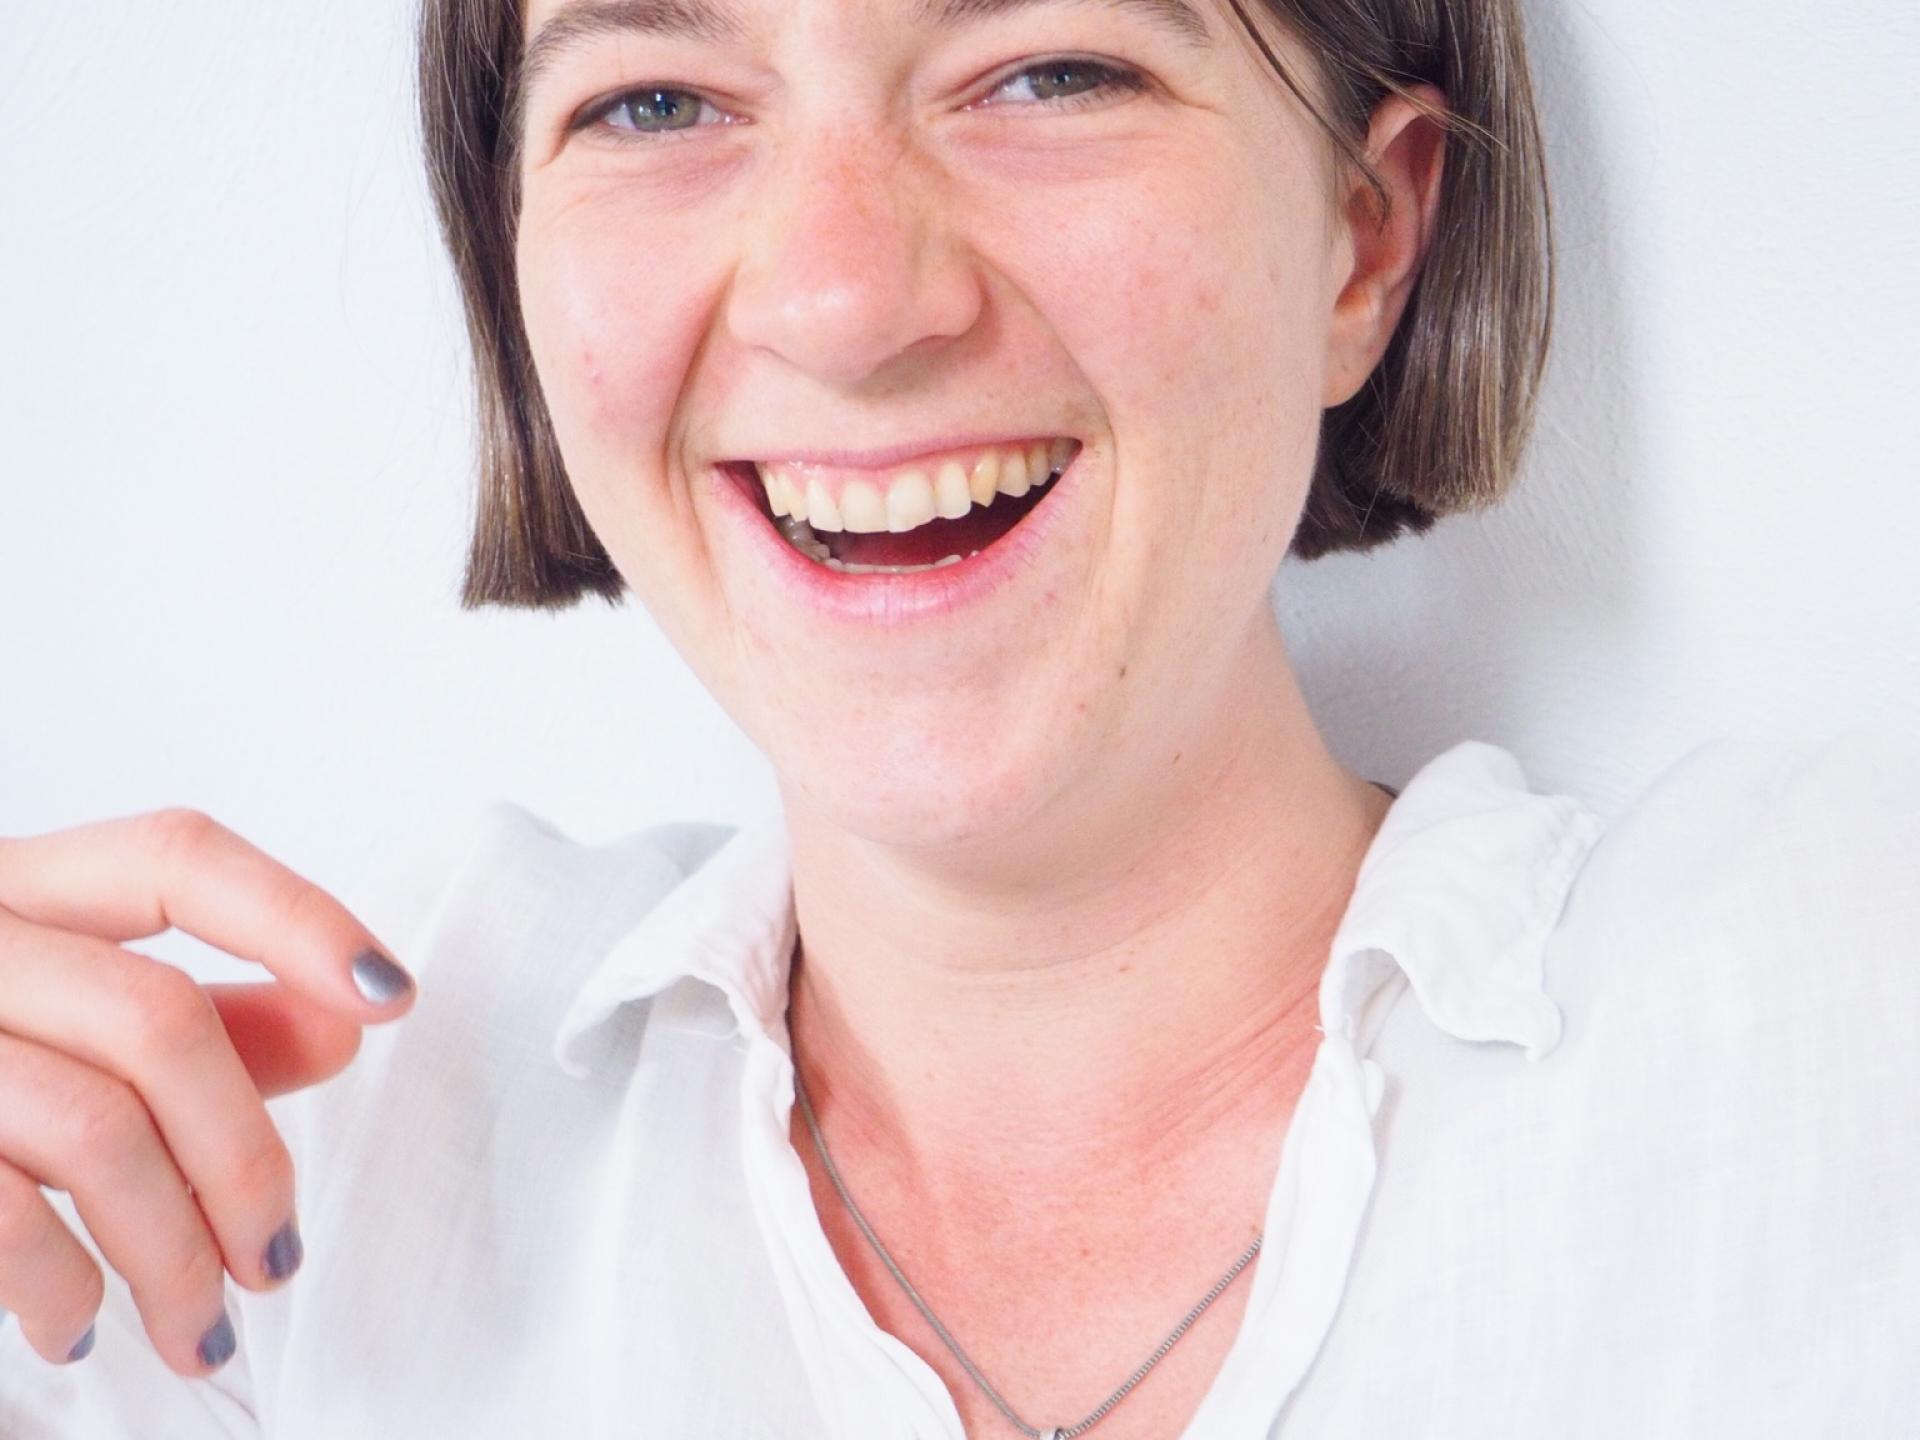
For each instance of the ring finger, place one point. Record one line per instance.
(74, 1128)
(47, 1279)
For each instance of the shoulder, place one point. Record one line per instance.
(1729, 1128)
(1755, 893)
(1798, 831)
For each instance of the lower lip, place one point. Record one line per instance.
(897, 600)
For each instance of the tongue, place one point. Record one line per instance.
(937, 539)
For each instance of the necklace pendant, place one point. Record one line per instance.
(1053, 1434)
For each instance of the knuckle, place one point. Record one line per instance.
(191, 1273)
(101, 1122)
(180, 828)
(303, 906)
(263, 1175)
(175, 1016)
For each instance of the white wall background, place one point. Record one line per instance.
(234, 466)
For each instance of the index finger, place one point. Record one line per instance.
(138, 875)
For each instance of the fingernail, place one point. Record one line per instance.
(218, 1344)
(82, 1347)
(378, 978)
(284, 1252)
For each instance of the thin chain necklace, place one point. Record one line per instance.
(1057, 1432)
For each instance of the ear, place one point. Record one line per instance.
(1377, 254)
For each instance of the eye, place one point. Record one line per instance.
(1062, 83)
(653, 110)
(1066, 81)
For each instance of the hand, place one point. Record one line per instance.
(140, 1092)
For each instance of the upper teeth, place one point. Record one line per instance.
(910, 496)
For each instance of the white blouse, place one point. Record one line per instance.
(1613, 1131)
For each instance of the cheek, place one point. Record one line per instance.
(614, 322)
(1189, 302)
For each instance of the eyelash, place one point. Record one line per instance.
(1112, 80)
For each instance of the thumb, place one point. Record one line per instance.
(286, 1041)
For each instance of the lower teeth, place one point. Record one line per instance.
(850, 568)
(800, 535)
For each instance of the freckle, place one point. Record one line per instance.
(1176, 757)
(1123, 672)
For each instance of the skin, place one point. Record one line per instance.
(140, 1093)
(1066, 872)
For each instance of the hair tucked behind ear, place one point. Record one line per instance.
(1441, 424)
(1439, 427)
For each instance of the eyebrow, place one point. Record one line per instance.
(1179, 16)
(580, 20)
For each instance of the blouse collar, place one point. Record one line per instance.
(1459, 889)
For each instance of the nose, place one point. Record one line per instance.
(854, 263)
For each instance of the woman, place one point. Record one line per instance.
(1083, 1045)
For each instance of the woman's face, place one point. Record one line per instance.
(836, 241)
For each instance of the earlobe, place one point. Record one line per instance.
(1385, 245)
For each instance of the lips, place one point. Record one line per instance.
(881, 599)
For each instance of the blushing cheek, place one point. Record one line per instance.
(1166, 306)
(1190, 310)
(614, 327)
(1169, 321)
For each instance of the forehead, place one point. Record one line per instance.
(553, 23)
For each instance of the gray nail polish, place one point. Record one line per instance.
(378, 978)
(218, 1344)
(284, 1252)
(82, 1347)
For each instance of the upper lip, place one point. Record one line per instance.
(887, 456)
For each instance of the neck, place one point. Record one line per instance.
(1150, 987)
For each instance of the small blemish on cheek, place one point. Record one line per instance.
(603, 395)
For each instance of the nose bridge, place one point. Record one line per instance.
(854, 258)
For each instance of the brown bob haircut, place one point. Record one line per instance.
(1439, 426)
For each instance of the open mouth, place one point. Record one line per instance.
(936, 510)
